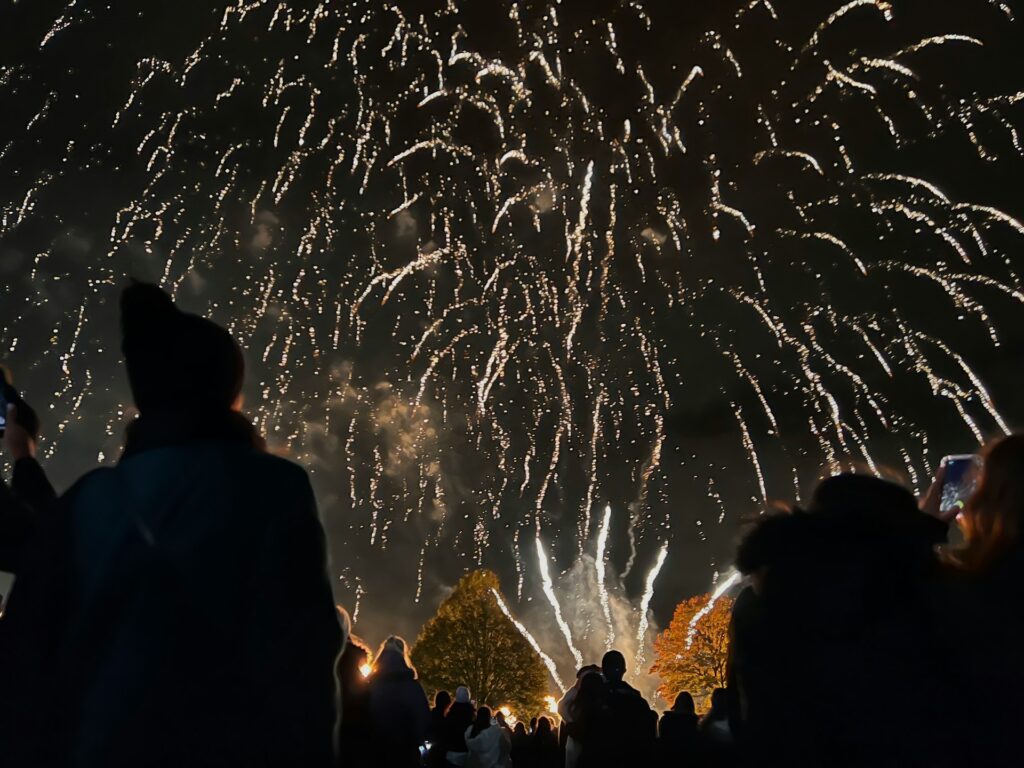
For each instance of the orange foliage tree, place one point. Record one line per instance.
(699, 667)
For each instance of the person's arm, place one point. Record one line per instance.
(30, 484)
(18, 503)
(295, 637)
(16, 526)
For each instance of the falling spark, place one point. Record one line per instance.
(525, 302)
(552, 669)
(601, 566)
(549, 593)
(724, 586)
(645, 605)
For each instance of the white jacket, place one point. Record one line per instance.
(488, 749)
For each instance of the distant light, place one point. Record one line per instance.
(552, 704)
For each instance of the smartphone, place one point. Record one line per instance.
(960, 481)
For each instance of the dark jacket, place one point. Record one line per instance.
(355, 742)
(399, 712)
(983, 639)
(834, 656)
(182, 610)
(29, 497)
(460, 717)
(678, 739)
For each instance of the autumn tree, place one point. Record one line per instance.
(471, 642)
(694, 658)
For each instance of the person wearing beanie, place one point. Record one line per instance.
(460, 717)
(178, 610)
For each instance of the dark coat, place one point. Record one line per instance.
(178, 613)
(834, 657)
(355, 742)
(678, 739)
(399, 713)
(983, 639)
(29, 498)
(460, 717)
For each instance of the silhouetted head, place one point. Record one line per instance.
(483, 720)
(393, 657)
(587, 670)
(520, 729)
(543, 726)
(499, 717)
(442, 700)
(176, 360)
(719, 702)
(462, 695)
(993, 520)
(855, 494)
(533, 725)
(614, 666)
(592, 690)
(684, 703)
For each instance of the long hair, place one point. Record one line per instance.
(993, 519)
(483, 721)
(396, 647)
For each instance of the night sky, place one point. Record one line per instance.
(496, 265)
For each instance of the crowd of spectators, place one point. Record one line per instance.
(175, 610)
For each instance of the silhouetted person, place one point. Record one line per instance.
(487, 744)
(591, 725)
(355, 745)
(833, 651)
(399, 712)
(717, 745)
(435, 733)
(544, 752)
(982, 613)
(565, 711)
(678, 741)
(499, 720)
(30, 495)
(461, 715)
(633, 725)
(179, 612)
(521, 746)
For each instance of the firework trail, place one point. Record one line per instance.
(645, 605)
(480, 260)
(552, 669)
(549, 593)
(726, 584)
(600, 566)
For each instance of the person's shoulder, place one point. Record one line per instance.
(278, 469)
(100, 477)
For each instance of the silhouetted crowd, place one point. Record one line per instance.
(175, 610)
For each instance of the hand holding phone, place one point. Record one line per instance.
(954, 483)
(19, 425)
(960, 478)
